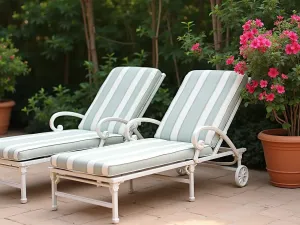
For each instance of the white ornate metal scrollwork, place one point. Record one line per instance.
(105, 134)
(132, 126)
(59, 114)
(199, 145)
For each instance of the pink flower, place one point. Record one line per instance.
(280, 17)
(293, 36)
(295, 18)
(243, 39)
(250, 88)
(263, 83)
(261, 43)
(12, 57)
(255, 44)
(270, 97)
(261, 96)
(254, 31)
(273, 72)
(254, 83)
(283, 76)
(196, 48)
(293, 48)
(247, 25)
(230, 60)
(259, 23)
(240, 67)
(273, 86)
(280, 89)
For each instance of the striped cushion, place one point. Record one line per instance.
(127, 157)
(205, 97)
(123, 94)
(33, 146)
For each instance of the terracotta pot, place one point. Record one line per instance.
(282, 155)
(5, 111)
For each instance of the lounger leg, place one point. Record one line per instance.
(23, 184)
(54, 182)
(191, 182)
(114, 188)
(131, 190)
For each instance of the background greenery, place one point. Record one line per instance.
(50, 36)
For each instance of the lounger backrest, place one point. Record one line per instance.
(124, 94)
(205, 98)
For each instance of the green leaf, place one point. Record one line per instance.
(269, 109)
(286, 126)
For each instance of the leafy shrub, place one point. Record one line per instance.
(11, 66)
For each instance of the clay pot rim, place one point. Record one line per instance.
(7, 103)
(275, 135)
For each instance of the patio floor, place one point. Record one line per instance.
(158, 202)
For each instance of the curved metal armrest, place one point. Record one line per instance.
(133, 124)
(59, 114)
(105, 134)
(199, 145)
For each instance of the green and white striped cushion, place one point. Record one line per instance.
(127, 157)
(33, 146)
(205, 98)
(123, 94)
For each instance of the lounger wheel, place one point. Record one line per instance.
(241, 176)
(181, 171)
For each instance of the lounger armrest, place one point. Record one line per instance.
(199, 145)
(133, 124)
(105, 134)
(59, 114)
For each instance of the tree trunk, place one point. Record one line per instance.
(217, 29)
(157, 32)
(153, 26)
(86, 33)
(174, 57)
(89, 30)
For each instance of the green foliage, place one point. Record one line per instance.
(11, 66)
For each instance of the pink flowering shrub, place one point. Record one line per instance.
(272, 59)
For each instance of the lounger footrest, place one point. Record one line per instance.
(84, 199)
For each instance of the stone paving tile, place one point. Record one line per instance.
(8, 222)
(277, 213)
(254, 220)
(11, 211)
(36, 216)
(85, 216)
(52, 222)
(282, 222)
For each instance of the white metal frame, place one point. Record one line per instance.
(23, 166)
(188, 167)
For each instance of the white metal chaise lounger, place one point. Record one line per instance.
(125, 94)
(190, 133)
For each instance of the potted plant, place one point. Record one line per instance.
(11, 66)
(272, 59)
